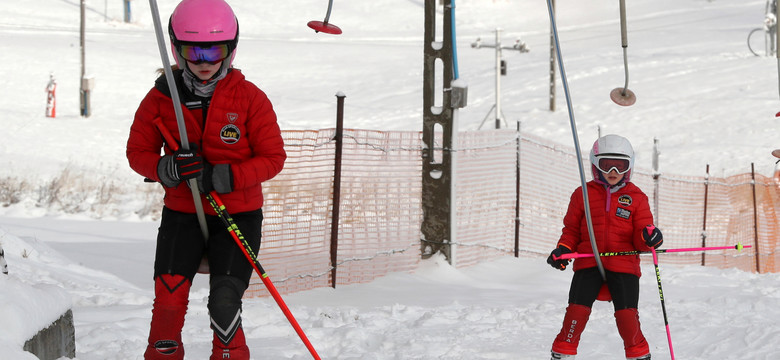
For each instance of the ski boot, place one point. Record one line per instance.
(644, 357)
(559, 356)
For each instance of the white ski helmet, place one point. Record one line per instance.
(606, 150)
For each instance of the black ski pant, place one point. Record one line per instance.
(181, 246)
(623, 287)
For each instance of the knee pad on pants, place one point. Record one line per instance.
(225, 306)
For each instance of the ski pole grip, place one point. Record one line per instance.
(166, 134)
(168, 139)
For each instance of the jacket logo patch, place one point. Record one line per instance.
(231, 117)
(625, 200)
(623, 213)
(230, 134)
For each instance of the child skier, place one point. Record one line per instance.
(236, 145)
(622, 221)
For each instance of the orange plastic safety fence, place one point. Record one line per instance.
(381, 215)
(380, 211)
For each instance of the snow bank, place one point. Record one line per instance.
(29, 302)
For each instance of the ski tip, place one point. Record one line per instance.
(622, 96)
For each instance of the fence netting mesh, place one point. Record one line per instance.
(380, 212)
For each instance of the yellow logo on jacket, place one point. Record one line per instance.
(625, 200)
(230, 134)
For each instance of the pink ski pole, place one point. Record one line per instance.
(663, 304)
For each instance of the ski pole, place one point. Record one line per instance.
(578, 152)
(250, 255)
(663, 303)
(575, 255)
(219, 208)
(177, 109)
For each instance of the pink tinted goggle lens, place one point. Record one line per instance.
(198, 54)
(620, 165)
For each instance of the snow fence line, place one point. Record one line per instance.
(502, 207)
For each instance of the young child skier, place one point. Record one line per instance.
(235, 145)
(622, 221)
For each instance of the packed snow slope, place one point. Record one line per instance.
(505, 309)
(699, 90)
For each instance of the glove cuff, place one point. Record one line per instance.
(222, 178)
(564, 249)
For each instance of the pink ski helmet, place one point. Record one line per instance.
(612, 152)
(203, 23)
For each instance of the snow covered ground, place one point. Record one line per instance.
(505, 309)
(699, 90)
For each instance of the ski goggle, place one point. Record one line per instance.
(198, 54)
(621, 166)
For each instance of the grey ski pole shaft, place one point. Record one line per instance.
(179, 116)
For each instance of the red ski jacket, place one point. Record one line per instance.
(240, 130)
(618, 219)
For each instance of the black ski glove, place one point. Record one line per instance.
(559, 264)
(653, 237)
(216, 177)
(180, 166)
